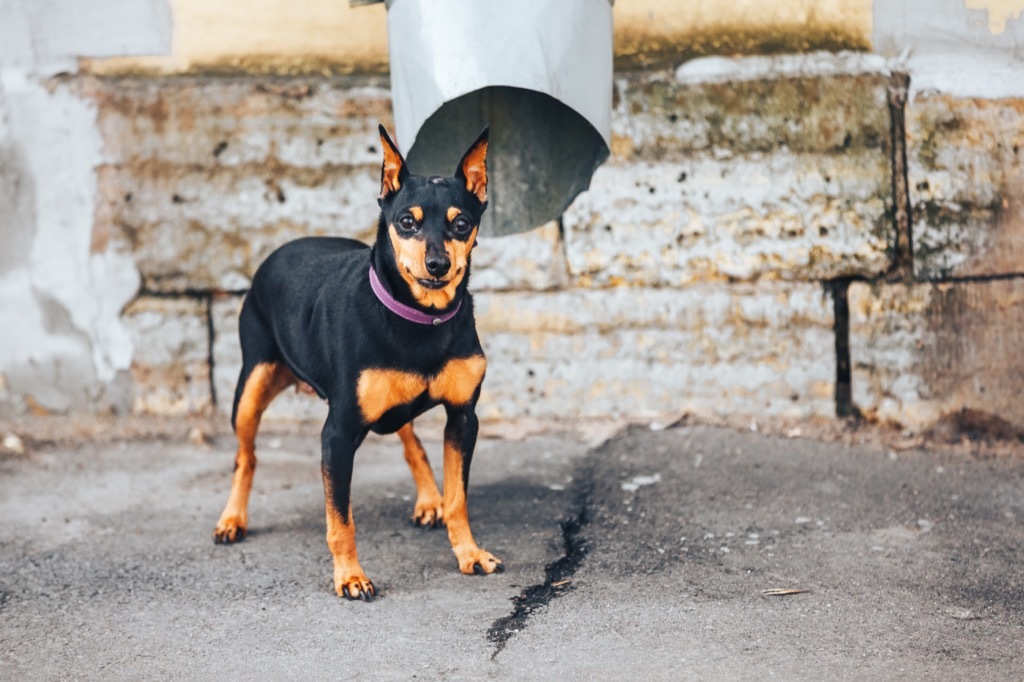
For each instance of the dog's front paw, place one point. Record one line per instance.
(354, 586)
(230, 528)
(428, 513)
(479, 561)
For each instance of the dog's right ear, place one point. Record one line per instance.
(393, 171)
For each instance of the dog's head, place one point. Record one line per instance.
(429, 224)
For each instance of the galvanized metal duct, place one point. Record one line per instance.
(538, 71)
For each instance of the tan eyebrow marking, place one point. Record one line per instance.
(417, 213)
(453, 213)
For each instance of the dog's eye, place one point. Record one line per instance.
(461, 226)
(407, 222)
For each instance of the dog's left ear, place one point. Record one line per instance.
(473, 168)
(393, 171)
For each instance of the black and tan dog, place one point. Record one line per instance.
(382, 334)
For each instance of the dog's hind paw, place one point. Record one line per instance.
(476, 561)
(428, 514)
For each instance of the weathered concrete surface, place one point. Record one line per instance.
(40, 35)
(724, 180)
(966, 185)
(66, 346)
(966, 48)
(206, 177)
(910, 564)
(171, 365)
(922, 352)
(765, 349)
(528, 261)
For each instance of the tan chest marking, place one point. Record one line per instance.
(458, 380)
(379, 390)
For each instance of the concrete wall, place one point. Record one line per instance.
(65, 344)
(779, 235)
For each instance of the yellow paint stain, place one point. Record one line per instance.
(1000, 12)
(328, 36)
(265, 36)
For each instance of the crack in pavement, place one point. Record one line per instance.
(557, 577)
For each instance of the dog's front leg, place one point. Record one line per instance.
(459, 442)
(341, 436)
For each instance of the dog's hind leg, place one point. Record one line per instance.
(428, 512)
(257, 388)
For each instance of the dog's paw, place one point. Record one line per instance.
(473, 560)
(354, 586)
(229, 529)
(428, 513)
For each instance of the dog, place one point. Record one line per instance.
(382, 333)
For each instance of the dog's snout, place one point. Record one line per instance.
(437, 264)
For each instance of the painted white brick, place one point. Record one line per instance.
(170, 369)
(634, 352)
(795, 216)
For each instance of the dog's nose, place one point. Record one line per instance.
(437, 265)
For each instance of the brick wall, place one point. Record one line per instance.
(747, 249)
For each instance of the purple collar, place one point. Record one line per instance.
(403, 311)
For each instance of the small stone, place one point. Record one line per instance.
(196, 436)
(14, 443)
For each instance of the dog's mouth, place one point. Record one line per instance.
(430, 283)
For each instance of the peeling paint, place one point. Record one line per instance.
(71, 349)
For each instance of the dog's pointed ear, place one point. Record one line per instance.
(473, 168)
(393, 171)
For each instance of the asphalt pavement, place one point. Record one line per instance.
(685, 553)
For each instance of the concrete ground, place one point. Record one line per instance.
(653, 555)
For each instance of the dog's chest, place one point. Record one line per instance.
(380, 390)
